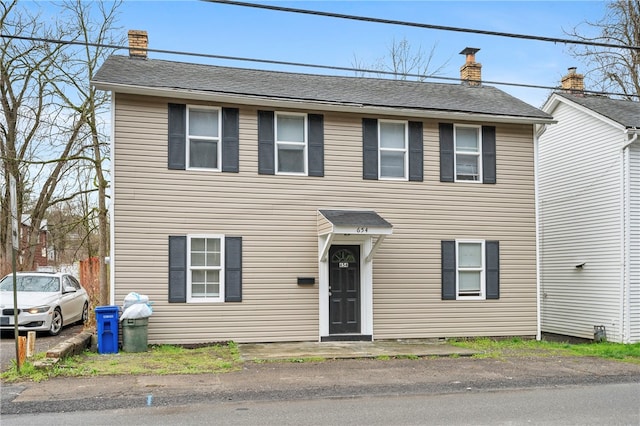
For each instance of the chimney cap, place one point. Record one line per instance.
(469, 51)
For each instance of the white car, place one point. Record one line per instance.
(46, 301)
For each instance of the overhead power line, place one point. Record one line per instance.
(420, 25)
(288, 63)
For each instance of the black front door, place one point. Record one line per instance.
(344, 289)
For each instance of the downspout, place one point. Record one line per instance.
(112, 231)
(539, 130)
(625, 294)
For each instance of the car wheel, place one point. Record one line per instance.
(85, 314)
(56, 322)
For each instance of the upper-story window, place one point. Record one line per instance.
(203, 134)
(203, 138)
(291, 143)
(392, 149)
(468, 148)
(467, 153)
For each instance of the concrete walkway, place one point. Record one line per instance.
(345, 350)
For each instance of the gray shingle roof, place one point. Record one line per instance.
(355, 218)
(626, 113)
(372, 92)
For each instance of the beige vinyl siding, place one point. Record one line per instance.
(277, 218)
(634, 247)
(580, 215)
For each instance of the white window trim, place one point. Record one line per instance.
(483, 270)
(455, 153)
(220, 297)
(305, 143)
(217, 139)
(404, 150)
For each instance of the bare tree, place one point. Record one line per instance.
(613, 69)
(26, 131)
(92, 105)
(403, 61)
(52, 128)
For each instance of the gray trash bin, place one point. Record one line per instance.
(134, 334)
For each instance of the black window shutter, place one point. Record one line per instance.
(488, 154)
(230, 140)
(492, 255)
(177, 120)
(266, 140)
(415, 151)
(233, 269)
(447, 172)
(316, 144)
(370, 148)
(177, 269)
(448, 254)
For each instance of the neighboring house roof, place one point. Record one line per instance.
(623, 112)
(26, 221)
(358, 94)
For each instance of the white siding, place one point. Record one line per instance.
(277, 218)
(634, 252)
(580, 215)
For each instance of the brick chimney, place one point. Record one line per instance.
(471, 71)
(138, 43)
(572, 82)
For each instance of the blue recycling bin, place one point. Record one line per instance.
(107, 324)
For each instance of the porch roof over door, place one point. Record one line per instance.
(352, 222)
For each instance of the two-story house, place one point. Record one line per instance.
(589, 182)
(261, 206)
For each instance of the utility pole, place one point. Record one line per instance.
(16, 244)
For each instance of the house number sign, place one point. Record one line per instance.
(361, 229)
(343, 264)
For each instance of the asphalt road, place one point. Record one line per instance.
(611, 404)
(43, 343)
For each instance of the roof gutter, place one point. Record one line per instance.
(625, 296)
(315, 105)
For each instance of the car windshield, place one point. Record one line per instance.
(31, 283)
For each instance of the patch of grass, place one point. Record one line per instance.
(517, 347)
(409, 356)
(383, 357)
(162, 359)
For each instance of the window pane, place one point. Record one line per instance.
(203, 123)
(467, 167)
(197, 244)
(205, 283)
(392, 135)
(213, 283)
(466, 139)
(392, 164)
(291, 158)
(203, 154)
(198, 276)
(469, 282)
(197, 259)
(213, 245)
(213, 259)
(291, 128)
(469, 255)
(198, 290)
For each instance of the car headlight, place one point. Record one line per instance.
(37, 309)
